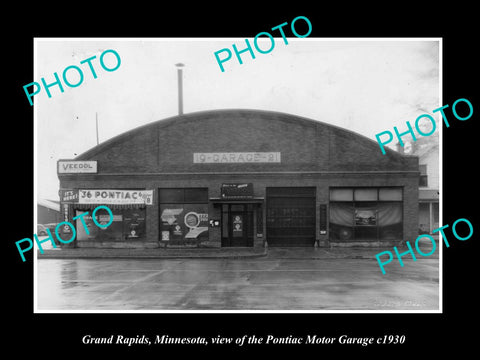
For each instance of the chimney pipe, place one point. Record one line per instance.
(180, 87)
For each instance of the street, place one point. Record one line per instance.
(267, 283)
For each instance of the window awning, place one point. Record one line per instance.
(249, 200)
(427, 194)
(110, 206)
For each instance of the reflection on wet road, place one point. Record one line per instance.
(235, 284)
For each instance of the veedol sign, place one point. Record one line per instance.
(76, 167)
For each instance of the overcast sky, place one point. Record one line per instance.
(365, 86)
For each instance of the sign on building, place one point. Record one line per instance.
(236, 157)
(237, 190)
(76, 167)
(120, 197)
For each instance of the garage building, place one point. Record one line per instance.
(227, 178)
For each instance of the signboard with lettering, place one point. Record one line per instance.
(237, 191)
(68, 196)
(116, 197)
(76, 167)
(236, 157)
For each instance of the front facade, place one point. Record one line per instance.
(241, 178)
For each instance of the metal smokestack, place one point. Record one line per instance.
(180, 87)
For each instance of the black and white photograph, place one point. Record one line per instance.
(182, 182)
(190, 180)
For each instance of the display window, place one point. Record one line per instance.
(128, 224)
(183, 214)
(366, 214)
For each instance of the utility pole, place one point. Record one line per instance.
(96, 125)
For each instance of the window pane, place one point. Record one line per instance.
(366, 233)
(341, 214)
(171, 196)
(390, 194)
(196, 195)
(134, 223)
(341, 194)
(435, 212)
(390, 221)
(183, 222)
(424, 218)
(341, 221)
(365, 194)
(364, 217)
(423, 169)
(423, 180)
(365, 213)
(113, 232)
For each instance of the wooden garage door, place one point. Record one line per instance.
(291, 216)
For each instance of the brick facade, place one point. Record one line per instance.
(313, 154)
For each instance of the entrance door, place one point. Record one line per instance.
(237, 225)
(238, 235)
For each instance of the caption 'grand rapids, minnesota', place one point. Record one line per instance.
(270, 339)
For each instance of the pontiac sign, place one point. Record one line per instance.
(114, 196)
(76, 167)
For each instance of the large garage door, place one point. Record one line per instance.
(291, 216)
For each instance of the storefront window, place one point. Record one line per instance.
(341, 194)
(184, 214)
(390, 220)
(369, 214)
(128, 224)
(365, 194)
(390, 194)
(134, 223)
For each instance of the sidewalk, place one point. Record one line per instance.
(156, 253)
(337, 253)
(219, 253)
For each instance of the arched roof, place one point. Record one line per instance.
(304, 144)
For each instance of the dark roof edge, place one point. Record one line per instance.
(190, 116)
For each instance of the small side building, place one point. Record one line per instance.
(48, 212)
(428, 217)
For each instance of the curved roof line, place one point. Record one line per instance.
(191, 116)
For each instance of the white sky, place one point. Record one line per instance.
(367, 86)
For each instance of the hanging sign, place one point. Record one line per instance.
(68, 196)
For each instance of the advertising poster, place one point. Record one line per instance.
(185, 222)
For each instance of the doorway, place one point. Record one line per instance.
(237, 225)
(291, 216)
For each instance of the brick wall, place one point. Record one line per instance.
(312, 154)
(305, 145)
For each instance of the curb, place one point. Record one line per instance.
(202, 254)
(55, 255)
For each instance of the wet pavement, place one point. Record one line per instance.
(282, 279)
